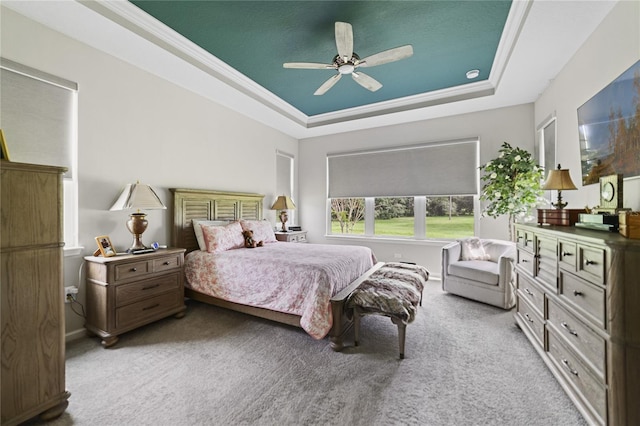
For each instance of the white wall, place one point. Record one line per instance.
(513, 125)
(135, 126)
(607, 53)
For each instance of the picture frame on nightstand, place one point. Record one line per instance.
(105, 248)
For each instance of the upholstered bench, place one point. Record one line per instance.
(395, 291)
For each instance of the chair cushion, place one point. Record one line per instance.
(478, 270)
(472, 249)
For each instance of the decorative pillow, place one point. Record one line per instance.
(197, 229)
(262, 230)
(222, 238)
(472, 249)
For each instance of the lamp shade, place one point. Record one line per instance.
(138, 196)
(558, 179)
(283, 203)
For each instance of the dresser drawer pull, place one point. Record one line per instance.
(529, 292)
(528, 318)
(133, 269)
(167, 263)
(149, 287)
(528, 241)
(577, 293)
(566, 327)
(151, 307)
(566, 253)
(590, 262)
(524, 261)
(566, 364)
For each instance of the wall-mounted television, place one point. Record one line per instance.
(609, 128)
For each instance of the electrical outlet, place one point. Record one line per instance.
(69, 293)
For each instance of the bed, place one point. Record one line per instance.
(304, 285)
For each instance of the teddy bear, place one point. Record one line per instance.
(249, 242)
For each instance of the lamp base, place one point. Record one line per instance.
(137, 224)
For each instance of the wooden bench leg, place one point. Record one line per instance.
(402, 329)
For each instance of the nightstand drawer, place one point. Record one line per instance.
(137, 313)
(133, 270)
(167, 263)
(302, 238)
(128, 293)
(585, 297)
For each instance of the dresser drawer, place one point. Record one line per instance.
(532, 319)
(567, 255)
(585, 341)
(524, 239)
(137, 313)
(128, 293)
(579, 375)
(591, 265)
(530, 291)
(585, 297)
(133, 270)
(166, 263)
(525, 261)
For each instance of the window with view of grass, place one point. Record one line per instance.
(447, 171)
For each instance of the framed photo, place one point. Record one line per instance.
(3, 146)
(104, 246)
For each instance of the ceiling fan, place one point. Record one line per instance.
(347, 61)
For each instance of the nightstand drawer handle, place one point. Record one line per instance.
(133, 269)
(167, 263)
(151, 307)
(566, 327)
(566, 364)
(149, 287)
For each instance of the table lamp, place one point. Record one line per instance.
(137, 196)
(283, 203)
(559, 180)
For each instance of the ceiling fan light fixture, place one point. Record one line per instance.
(471, 74)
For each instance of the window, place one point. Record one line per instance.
(447, 172)
(40, 110)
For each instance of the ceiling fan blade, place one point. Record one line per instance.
(387, 56)
(327, 85)
(344, 40)
(365, 81)
(307, 65)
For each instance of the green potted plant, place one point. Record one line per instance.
(511, 184)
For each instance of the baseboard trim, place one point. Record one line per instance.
(75, 335)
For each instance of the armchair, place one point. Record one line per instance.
(487, 281)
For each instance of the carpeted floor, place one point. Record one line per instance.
(466, 364)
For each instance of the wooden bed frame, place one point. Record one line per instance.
(189, 204)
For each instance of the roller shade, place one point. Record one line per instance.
(37, 116)
(435, 169)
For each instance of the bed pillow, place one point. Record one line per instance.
(262, 230)
(222, 238)
(472, 249)
(197, 229)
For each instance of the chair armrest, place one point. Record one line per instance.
(499, 248)
(450, 254)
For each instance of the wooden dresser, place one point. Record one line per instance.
(578, 302)
(125, 292)
(33, 345)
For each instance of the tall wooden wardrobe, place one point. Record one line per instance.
(32, 298)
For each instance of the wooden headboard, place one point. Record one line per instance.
(189, 204)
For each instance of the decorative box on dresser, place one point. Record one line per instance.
(125, 292)
(33, 345)
(578, 302)
(292, 236)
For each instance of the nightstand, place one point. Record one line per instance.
(292, 236)
(125, 292)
